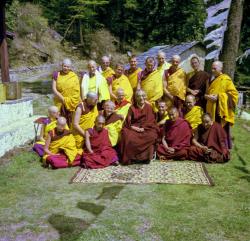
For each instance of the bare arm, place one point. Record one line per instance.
(165, 144)
(56, 92)
(46, 147)
(40, 137)
(76, 121)
(111, 92)
(195, 141)
(165, 88)
(87, 142)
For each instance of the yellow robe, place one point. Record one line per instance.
(193, 117)
(123, 110)
(222, 86)
(163, 119)
(86, 121)
(114, 130)
(123, 82)
(153, 86)
(66, 144)
(133, 78)
(69, 86)
(162, 68)
(108, 72)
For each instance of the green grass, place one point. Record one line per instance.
(37, 203)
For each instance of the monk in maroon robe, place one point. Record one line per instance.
(99, 152)
(176, 138)
(209, 142)
(139, 133)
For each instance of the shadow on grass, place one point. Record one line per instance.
(91, 207)
(110, 192)
(69, 228)
(239, 156)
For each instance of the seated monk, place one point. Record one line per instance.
(162, 113)
(48, 124)
(60, 147)
(66, 88)
(209, 142)
(105, 68)
(113, 122)
(175, 84)
(176, 138)
(139, 133)
(192, 113)
(85, 115)
(132, 72)
(99, 152)
(119, 80)
(121, 104)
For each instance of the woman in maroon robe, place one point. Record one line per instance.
(176, 139)
(209, 142)
(139, 133)
(99, 153)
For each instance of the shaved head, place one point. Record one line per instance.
(67, 62)
(100, 118)
(190, 101)
(61, 120)
(53, 108)
(120, 91)
(92, 63)
(99, 122)
(109, 103)
(105, 58)
(176, 57)
(92, 95)
(173, 114)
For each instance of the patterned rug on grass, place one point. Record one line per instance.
(156, 172)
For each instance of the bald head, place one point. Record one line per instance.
(109, 107)
(53, 112)
(190, 101)
(91, 98)
(176, 59)
(140, 97)
(173, 114)
(105, 62)
(66, 65)
(92, 67)
(207, 121)
(217, 68)
(161, 58)
(67, 62)
(61, 123)
(120, 95)
(99, 122)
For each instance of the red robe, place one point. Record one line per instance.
(178, 135)
(138, 146)
(214, 138)
(104, 155)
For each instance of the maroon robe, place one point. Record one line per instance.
(214, 138)
(198, 82)
(138, 146)
(178, 135)
(103, 154)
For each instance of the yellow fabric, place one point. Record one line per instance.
(123, 82)
(133, 78)
(108, 72)
(163, 67)
(86, 121)
(114, 130)
(47, 129)
(67, 144)
(153, 86)
(69, 86)
(222, 86)
(193, 117)
(163, 120)
(123, 110)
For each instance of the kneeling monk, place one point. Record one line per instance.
(140, 132)
(99, 150)
(210, 142)
(176, 139)
(60, 147)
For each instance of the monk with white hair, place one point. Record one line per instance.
(85, 115)
(162, 63)
(175, 84)
(222, 98)
(47, 124)
(93, 81)
(66, 89)
(105, 68)
(60, 147)
(121, 104)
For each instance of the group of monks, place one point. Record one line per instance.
(114, 116)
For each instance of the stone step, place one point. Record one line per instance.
(16, 134)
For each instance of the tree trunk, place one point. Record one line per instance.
(232, 38)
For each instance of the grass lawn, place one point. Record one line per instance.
(39, 204)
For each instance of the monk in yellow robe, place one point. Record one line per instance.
(162, 63)
(175, 84)
(60, 147)
(86, 113)
(162, 113)
(47, 124)
(105, 68)
(93, 81)
(193, 113)
(121, 104)
(222, 98)
(113, 122)
(150, 81)
(119, 80)
(66, 88)
(132, 72)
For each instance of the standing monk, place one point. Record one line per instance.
(105, 68)
(121, 104)
(209, 142)
(139, 133)
(132, 72)
(66, 88)
(93, 81)
(176, 138)
(162, 63)
(85, 115)
(222, 98)
(150, 81)
(119, 80)
(197, 81)
(175, 84)
(99, 152)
